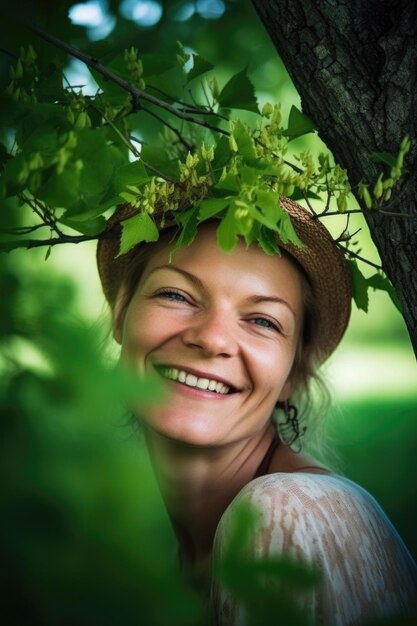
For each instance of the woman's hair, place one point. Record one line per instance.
(306, 380)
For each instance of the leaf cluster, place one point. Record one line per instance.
(159, 134)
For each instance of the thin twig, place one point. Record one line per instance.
(355, 255)
(174, 130)
(329, 213)
(22, 230)
(42, 213)
(307, 201)
(6, 246)
(137, 94)
(382, 211)
(341, 237)
(8, 53)
(186, 105)
(136, 139)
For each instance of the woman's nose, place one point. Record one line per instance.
(212, 333)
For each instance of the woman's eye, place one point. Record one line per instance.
(264, 322)
(172, 295)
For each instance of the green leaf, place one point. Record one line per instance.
(384, 157)
(301, 194)
(239, 93)
(360, 287)
(188, 221)
(112, 94)
(227, 232)
(87, 227)
(15, 174)
(229, 183)
(157, 157)
(245, 143)
(287, 231)
(132, 174)
(62, 190)
(201, 66)
(249, 176)
(136, 229)
(260, 217)
(100, 162)
(45, 141)
(379, 281)
(156, 63)
(268, 202)
(222, 153)
(298, 124)
(267, 241)
(211, 207)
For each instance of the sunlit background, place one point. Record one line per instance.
(372, 376)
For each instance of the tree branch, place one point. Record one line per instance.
(7, 246)
(137, 94)
(355, 255)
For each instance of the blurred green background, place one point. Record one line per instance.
(79, 496)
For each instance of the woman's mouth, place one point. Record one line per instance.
(191, 380)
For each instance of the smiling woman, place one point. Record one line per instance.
(235, 336)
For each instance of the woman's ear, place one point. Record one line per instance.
(118, 314)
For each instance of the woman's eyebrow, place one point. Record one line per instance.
(274, 299)
(196, 281)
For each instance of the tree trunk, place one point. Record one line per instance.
(355, 67)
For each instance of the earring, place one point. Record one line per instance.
(290, 431)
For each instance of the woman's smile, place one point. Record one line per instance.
(196, 380)
(217, 327)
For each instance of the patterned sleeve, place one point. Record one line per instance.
(334, 525)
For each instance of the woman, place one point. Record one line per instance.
(235, 336)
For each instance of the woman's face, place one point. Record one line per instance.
(222, 329)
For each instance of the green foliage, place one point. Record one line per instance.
(361, 285)
(78, 491)
(76, 156)
(141, 223)
(238, 93)
(298, 124)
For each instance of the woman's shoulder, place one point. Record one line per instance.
(304, 486)
(321, 500)
(309, 510)
(334, 525)
(314, 516)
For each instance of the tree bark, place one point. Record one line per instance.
(354, 64)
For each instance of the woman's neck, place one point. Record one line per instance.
(198, 484)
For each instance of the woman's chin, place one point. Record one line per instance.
(190, 430)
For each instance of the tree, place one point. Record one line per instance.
(355, 67)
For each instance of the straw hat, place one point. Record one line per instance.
(322, 261)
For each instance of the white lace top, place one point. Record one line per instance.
(336, 526)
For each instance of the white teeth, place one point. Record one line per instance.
(193, 381)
